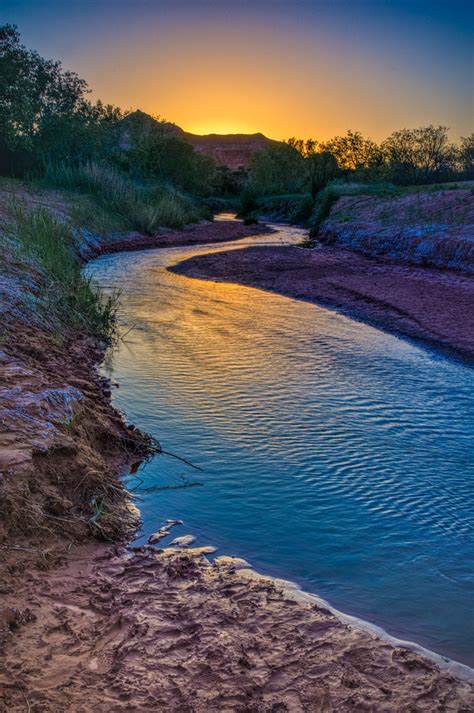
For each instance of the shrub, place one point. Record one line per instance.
(136, 206)
(326, 199)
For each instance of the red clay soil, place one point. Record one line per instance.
(202, 233)
(165, 631)
(430, 305)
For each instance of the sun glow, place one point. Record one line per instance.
(218, 126)
(231, 67)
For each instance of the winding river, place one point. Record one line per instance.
(332, 454)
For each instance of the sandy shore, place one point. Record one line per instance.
(432, 306)
(165, 630)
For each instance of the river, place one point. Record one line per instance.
(332, 454)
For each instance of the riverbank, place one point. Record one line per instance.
(63, 445)
(434, 307)
(166, 631)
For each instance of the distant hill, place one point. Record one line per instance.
(232, 150)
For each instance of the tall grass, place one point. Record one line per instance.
(131, 204)
(68, 295)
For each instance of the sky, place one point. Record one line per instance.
(305, 68)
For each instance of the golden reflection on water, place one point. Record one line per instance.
(328, 457)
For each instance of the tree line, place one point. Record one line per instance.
(407, 157)
(46, 118)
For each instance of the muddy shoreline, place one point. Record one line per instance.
(433, 307)
(144, 629)
(84, 624)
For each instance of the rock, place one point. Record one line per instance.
(157, 536)
(183, 541)
(163, 531)
(206, 550)
(234, 562)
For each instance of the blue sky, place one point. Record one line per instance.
(305, 68)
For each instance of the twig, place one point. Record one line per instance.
(172, 455)
(186, 484)
(122, 336)
(21, 549)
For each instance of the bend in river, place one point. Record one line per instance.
(332, 454)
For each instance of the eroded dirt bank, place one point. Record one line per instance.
(220, 231)
(433, 228)
(165, 630)
(434, 306)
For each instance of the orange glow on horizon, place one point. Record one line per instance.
(218, 126)
(243, 72)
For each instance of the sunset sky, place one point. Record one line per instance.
(305, 68)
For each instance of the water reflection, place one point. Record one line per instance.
(333, 454)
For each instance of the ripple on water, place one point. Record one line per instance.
(333, 454)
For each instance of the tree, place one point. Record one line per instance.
(155, 152)
(420, 155)
(277, 169)
(466, 156)
(44, 110)
(353, 151)
(320, 166)
(32, 89)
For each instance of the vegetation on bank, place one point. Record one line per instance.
(120, 202)
(129, 171)
(299, 180)
(60, 139)
(43, 248)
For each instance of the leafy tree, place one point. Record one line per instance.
(321, 166)
(420, 155)
(155, 152)
(277, 169)
(32, 89)
(466, 156)
(44, 109)
(353, 151)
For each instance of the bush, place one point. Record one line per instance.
(248, 205)
(294, 208)
(325, 200)
(136, 206)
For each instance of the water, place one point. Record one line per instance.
(333, 454)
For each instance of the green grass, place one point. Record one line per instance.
(68, 295)
(122, 203)
(336, 189)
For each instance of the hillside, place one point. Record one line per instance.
(232, 150)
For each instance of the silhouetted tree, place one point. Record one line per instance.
(466, 156)
(353, 151)
(420, 155)
(321, 166)
(44, 109)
